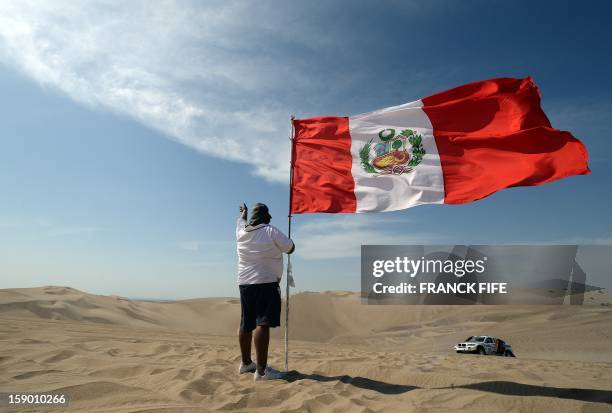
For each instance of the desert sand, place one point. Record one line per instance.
(113, 354)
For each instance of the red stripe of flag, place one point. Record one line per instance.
(322, 180)
(493, 135)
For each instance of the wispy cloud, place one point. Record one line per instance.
(47, 227)
(576, 240)
(10, 223)
(77, 230)
(197, 245)
(343, 236)
(190, 245)
(202, 73)
(220, 76)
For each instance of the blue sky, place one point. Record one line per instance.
(131, 134)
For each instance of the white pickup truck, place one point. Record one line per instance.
(485, 345)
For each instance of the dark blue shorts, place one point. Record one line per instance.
(260, 305)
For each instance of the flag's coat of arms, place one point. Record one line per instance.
(392, 155)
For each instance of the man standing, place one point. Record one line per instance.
(260, 267)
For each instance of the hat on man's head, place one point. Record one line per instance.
(259, 215)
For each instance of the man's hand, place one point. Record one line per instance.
(244, 211)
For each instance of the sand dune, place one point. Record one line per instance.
(112, 354)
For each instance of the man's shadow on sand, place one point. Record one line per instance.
(510, 388)
(507, 388)
(361, 382)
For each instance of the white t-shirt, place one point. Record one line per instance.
(260, 253)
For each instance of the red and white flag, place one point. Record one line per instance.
(453, 147)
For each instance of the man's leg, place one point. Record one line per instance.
(262, 340)
(247, 321)
(244, 338)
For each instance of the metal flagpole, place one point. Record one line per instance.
(289, 269)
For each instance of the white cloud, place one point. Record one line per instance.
(220, 76)
(78, 230)
(198, 72)
(196, 245)
(190, 245)
(576, 240)
(10, 223)
(342, 236)
(47, 227)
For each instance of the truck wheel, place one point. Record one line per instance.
(507, 354)
(481, 351)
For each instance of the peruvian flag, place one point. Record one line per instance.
(453, 147)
